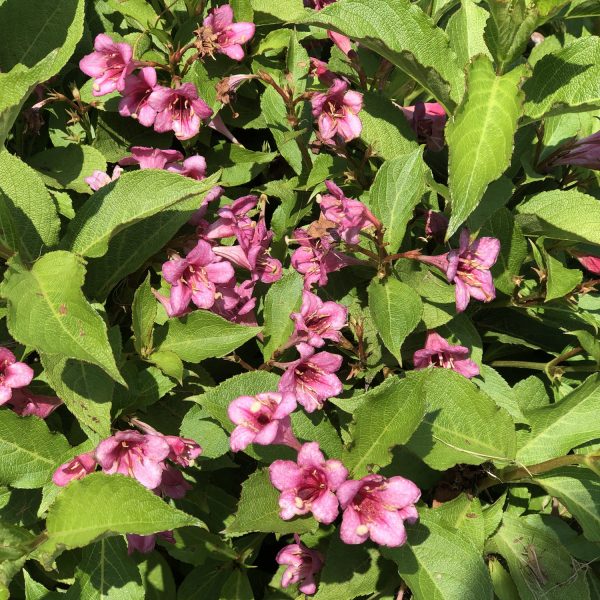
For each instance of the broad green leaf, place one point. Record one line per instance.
(131, 198)
(578, 489)
(465, 30)
(143, 311)
(258, 510)
(239, 164)
(461, 424)
(36, 591)
(29, 223)
(560, 280)
(106, 572)
(562, 215)
(48, 311)
(237, 586)
(205, 581)
(396, 310)
(138, 11)
(268, 11)
(438, 563)
(388, 417)
(492, 383)
(504, 586)
(297, 64)
(316, 427)
(283, 298)
(403, 34)
(212, 437)
(481, 133)
(397, 189)
(29, 452)
(565, 81)
(202, 335)
(559, 427)
(169, 363)
(157, 576)
(465, 514)
(100, 506)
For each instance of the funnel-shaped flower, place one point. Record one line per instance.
(193, 167)
(428, 120)
(151, 158)
(25, 403)
(76, 468)
(439, 353)
(172, 484)
(233, 219)
(13, 374)
(318, 321)
(578, 153)
(303, 564)
(220, 34)
(136, 92)
(235, 303)
(183, 450)
(144, 544)
(377, 507)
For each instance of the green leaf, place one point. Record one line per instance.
(106, 572)
(237, 586)
(100, 506)
(138, 11)
(205, 581)
(397, 189)
(143, 311)
(492, 383)
(283, 298)
(504, 586)
(131, 198)
(396, 310)
(565, 81)
(560, 280)
(169, 363)
(212, 437)
(202, 335)
(388, 416)
(316, 427)
(29, 451)
(438, 563)
(403, 34)
(157, 576)
(28, 220)
(461, 424)
(48, 311)
(267, 11)
(15, 541)
(560, 427)
(258, 510)
(465, 30)
(579, 490)
(465, 515)
(481, 133)
(562, 215)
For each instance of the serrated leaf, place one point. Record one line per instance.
(212, 437)
(48, 311)
(465, 515)
(169, 363)
(465, 30)
(387, 417)
(237, 587)
(29, 451)
(205, 581)
(560, 280)
(143, 314)
(481, 133)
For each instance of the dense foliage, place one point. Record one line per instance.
(299, 297)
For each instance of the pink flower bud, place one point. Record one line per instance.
(303, 564)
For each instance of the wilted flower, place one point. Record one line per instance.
(135, 93)
(183, 450)
(99, 179)
(428, 120)
(318, 321)
(577, 153)
(436, 225)
(25, 403)
(337, 111)
(228, 86)
(439, 353)
(76, 468)
(13, 374)
(303, 564)
(377, 507)
(308, 485)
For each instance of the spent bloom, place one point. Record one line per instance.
(336, 111)
(303, 564)
(13, 374)
(77, 468)
(109, 65)
(308, 485)
(428, 120)
(377, 507)
(439, 353)
(262, 419)
(220, 34)
(235, 302)
(577, 153)
(318, 321)
(25, 403)
(312, 377)
(436, 225)
(183, 450)
(136, 91)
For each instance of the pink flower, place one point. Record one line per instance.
(577, 153)
(228, 86)
(13, 374)
(135, 455)
(151, 158)
(469, 268)
(235, 303)
(428, 120)
(308, 486)
(262, 419)
(317, 4)
(194, 277)
(172, 484)
(436, 225)
(193, 167)
(220, 34)
(183, 450)
(303, 564)
(350, 216)
(109, 65)
(377, 507)
(312, 377)
(318, 321)
(589, 261)
(179, 110)
(439, 353)
(136, 92)
(233, 218)
(99, 179)
(76, 468)
(341, 41)
(144, 544)
(337, 111)
(24, 403)
(320, 70)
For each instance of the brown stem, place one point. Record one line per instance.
(240, 361)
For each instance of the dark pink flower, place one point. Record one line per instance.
(135, 455)
(13, 374)
(25, 403)
(151, 158)
(377, 507)
(469, 268)
(578, 153)
(308, 485)
(194, 278)
(193, 167)
(320, 70)
(76, 468)
(303, 564)
(341, 41)
(337, 111)
(589, 261)
(109, 65)
(439, 353)
(428, 120)
(172, 484)
(233, 219)
(183, 450)
(179, 110)
(262, 419)
(235, 303)
(312, 377)
(136, 92)
(318, 321)
(144, 544)
(99, 179)
(436, 225)
(317, 4)
(220, 34)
